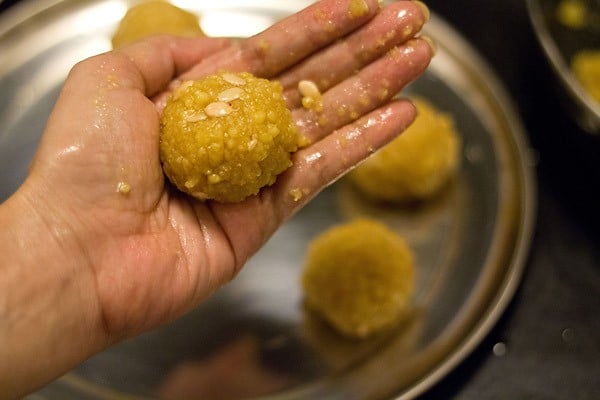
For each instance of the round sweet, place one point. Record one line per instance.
(586, 67)
(415, 165)
(155, 17)
(359, 277)
(226, 136)
(572, 13)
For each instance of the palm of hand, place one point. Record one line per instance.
(154, 253)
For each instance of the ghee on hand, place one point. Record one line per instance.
(226, 136)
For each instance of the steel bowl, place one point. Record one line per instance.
(560, 42)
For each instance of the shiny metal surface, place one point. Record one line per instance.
(254, 337)
(560, 43)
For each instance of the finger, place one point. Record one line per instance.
(394, 25)
(327, 160)
(103, 105)
(144, 68)
(161, 58)
(314, 168)
(147, 66)
(374, 86)
(292, 39)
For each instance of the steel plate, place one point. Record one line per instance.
(253, 337)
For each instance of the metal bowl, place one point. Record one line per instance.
(560, 43)
(470, 243)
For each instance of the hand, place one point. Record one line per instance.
(129, 262)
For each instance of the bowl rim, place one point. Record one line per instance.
(560, 66)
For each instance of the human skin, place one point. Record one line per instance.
(84, 266)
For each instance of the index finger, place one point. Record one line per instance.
(291, 40)
(161, 58)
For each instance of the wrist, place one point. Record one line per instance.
(49, 316)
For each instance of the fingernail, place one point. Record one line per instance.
(431, 43)
(424, 9)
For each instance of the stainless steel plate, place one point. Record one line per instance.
(253, 338)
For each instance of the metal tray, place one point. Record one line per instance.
(254, 335)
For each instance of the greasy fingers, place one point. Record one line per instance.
(147, 66)
(393, 26)
(292, 39)
(159, 59)
(306, 32)
(372, 87)
(321, 164)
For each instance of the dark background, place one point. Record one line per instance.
(551, 330)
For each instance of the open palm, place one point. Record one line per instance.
(154, 253)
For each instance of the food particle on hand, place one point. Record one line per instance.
(415, 165)
(226, 136)
(359, 277)
(358, 8)
(123, 188)
(311, 96)
(155, 17)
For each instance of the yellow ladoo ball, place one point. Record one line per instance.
(226, 136)
(155, 17)
(415, 165)
(359, 277)
(586, 67)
